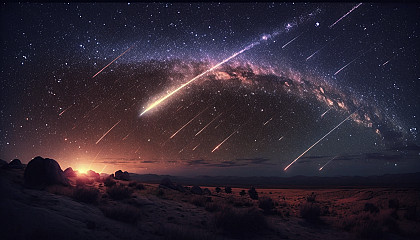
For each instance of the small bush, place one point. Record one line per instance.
(228, 190)
(310, 211)
(393, 203)
(199, 201)
(119, 192)
(266, 204)
(218, 190)
(109, 182)
(122, 213)
(87, 195)
(370, 207)
(83, 180)
(311, 198)
(140, 186)
(132, 184)
(240, 222)
(242, 193)
(253, 194)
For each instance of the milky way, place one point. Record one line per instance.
(268, 80)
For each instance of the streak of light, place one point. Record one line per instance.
(320, 169)
(113, 61)
(103, 169)
(313, 54)
(192, 119)
(126, 136)
(313, 145)
(196, 147)
(208, 124)
(220, 144)
(351, 10)
(269, 120)
(179, 108)
(87, 114)
(65, 110)
(353, 61)
(90, 165)
(345, 66)
(292, 40)
(108, 132)
(322, 115)
(156, 103)
(137, 149)
(281, 138)
(385, 63)
(218, 125)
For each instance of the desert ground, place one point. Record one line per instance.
(94, 207)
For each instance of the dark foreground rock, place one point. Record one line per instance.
(15, 164)
(44, 171)
(120, 175)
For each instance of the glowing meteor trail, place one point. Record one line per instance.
(108, 132)
(208, 124)
(269, 120)
(313, 145)
(192, 119)
(339, 70)
(220, 144)
(320, 169)
(113, 61)
(322, 115)
(313, 54)
(351, 10)
(292, 40)
(156, 103)
(65, 110)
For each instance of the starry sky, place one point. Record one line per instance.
(322, 89)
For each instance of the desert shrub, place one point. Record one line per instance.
(119, 192)
(85, 194)
(240, 221)
(122, 213)
(213, 206)
(228, 190)
(198, 201)
(369, 230)
(218, 190)
(253, 193)
(266, 204)
(311, 198)
(310, 211)
(242, 193)
(370, 207)
(140, 186)
(206, 191)
(196, 190)
(83, 180)
(132, 184)
(411, 213)
(393, 203)
(109, 182)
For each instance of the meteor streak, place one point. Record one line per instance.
(269, 120)
(208, 124)
(322, 115)
(65, 110)
(196, 147)
(321, 48)
(113, 61)
(351, 10)
(353, 60)
(192, 119)
(313, 145)
(108, 132)
(156, 103)
(320, 169)
(220, 144)
(292, 40)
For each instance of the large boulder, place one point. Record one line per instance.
(2, 163)
(167, 183)
(15, 164)
(120, 175)
(94, 175)
(196, 190)
(69, 172)
(41, 172)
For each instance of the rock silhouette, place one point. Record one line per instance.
(44, 171)
(69, 172)
(15, 164)
(120, 175)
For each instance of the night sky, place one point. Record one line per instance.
(293, 73)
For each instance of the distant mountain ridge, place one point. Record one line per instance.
(387, 180)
